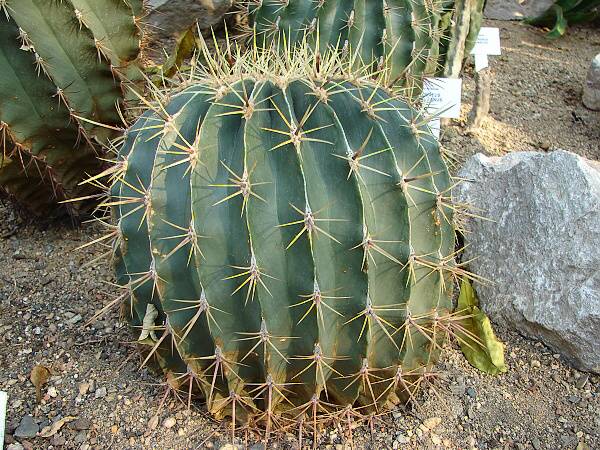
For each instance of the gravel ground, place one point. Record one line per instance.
(96, 390)
(536, 96)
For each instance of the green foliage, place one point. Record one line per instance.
(410, 39)
(565, 12)
(285, 239)
(64, 66)
(477, 339)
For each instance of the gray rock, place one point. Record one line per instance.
(28, 428)
(540, 248)
(515, 9)
(166, 18)
(591, 89)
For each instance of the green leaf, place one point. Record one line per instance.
(478, 341)
(560, 27)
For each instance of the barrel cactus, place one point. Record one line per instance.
(409, 38)
(284, 239)
(64, 67)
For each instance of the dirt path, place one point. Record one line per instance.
(46, 296)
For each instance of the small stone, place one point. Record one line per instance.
(574, 399)
(403, 439)
(535, 364)
(258, 446)
(432, 422)
(15, 446)
(169, 422)
(591, 89)
(153, 422)
(80, 437)
(536, 443)
(471, 392)
(545, 145)
(58, 441)
(100, 392)
(471, 412)
(27, 428)
(229, 447)
(435, 439)
(581, 382)
(73, 320)
(81, 424)
(83, 389)
(52, 392)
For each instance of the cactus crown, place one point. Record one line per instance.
(284, 238)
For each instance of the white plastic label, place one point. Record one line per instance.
(435, 126)
(481, 61)
(3, 401)
(488, 42)
(442, 96)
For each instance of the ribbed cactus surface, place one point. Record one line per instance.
(285, 239)
(64, 65)
(410, 39)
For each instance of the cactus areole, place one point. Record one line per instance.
(285, 240)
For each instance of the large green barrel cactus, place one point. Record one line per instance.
(285, 239)
(409, 38)
(64, 66)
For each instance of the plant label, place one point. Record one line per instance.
(488, 42)
(481, 61)
(435, 126)
(3, 402)
(442, 96)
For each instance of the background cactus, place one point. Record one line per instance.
(64, 66)
(409, 38)
(564, 13)
(284, 239)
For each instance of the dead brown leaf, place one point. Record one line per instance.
(39, 377)
(51, 430)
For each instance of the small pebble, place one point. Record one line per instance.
(153, 423)
(15, 446)
(471, 392)
(169, 422)
(100, 392)
(432, 422)
(582, 381)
